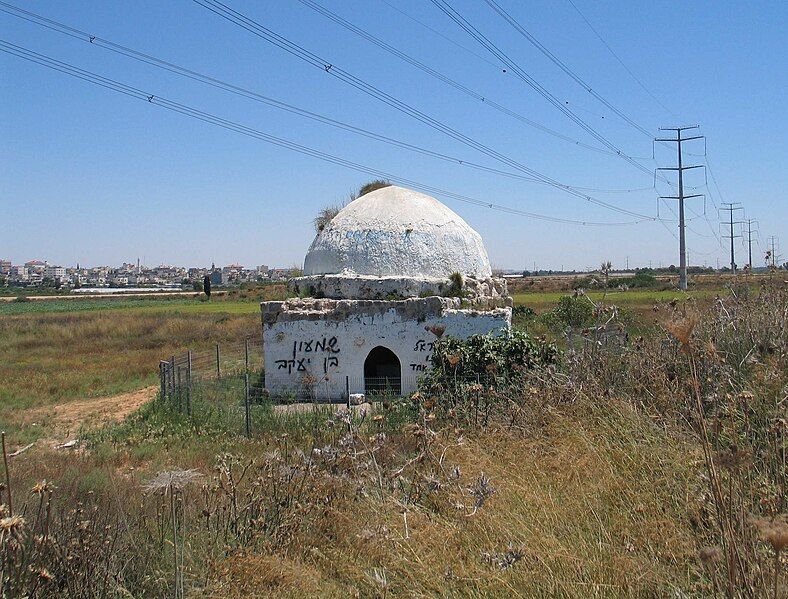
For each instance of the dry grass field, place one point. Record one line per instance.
(48, 359)
(650, 470)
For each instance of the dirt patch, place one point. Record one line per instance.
(306, 407)
(64, 420)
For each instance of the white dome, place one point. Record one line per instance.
(401, 233)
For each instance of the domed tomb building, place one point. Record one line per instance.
(389, 274)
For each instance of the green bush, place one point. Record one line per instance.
(590, 282)
(487, 356)
(373, 186)
(523, 313)
(574, 311)
(455, 288)
(640, 281)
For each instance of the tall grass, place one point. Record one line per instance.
(651, 469)
(54, 358)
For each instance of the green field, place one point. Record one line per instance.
(643, 298)
(153, 304)
(60, 350)
(537, 300)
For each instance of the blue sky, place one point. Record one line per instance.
(92, 176)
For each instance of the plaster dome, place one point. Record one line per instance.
(397, 232)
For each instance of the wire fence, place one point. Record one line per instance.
(231, 377)
(219, 375)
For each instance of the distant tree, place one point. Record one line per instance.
(206, 286)
(197, 285)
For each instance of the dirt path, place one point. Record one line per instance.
(63, 421)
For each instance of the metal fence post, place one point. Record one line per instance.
(476, 416)
(246, 355)
(218, 370)
(182, 385)
(180, 390)
(246, 406)
(172, 377)
(162, 380)
(189, 383)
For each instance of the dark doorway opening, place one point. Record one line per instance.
(382, 372)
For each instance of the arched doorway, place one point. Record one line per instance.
(382, 372)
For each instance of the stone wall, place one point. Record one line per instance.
(489, 292)
(314, 348)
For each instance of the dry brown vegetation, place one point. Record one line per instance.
(652, 469)
(56, 358)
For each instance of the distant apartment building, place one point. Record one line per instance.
(280, 274)
(19, 274)
(232, 274)
(196, 274)
(36, 270)
(55, 273)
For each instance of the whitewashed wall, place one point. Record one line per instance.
(312, 357)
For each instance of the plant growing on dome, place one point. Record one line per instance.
(372, 186)
(327, 213)
(325, 216)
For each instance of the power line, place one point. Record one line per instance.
(772, 252)
(455, 16)
(621, 62)
(244, 92)
(266, 34)
(749, 222)
(562, 65)
(714, 180)
(731, 207)
(681, 197)
(704, 216)
(689, 228)
(497, 67)
(442, 77)
(127, 90)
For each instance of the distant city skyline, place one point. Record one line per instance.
(534, 267)
(91, 176)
